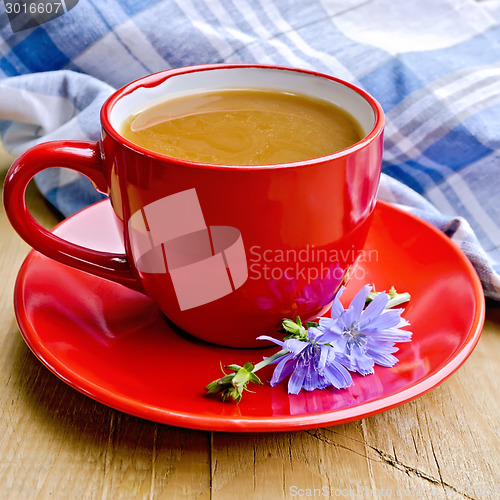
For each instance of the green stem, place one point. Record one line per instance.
(270, 359)
(400, 298)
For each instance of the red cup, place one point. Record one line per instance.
(225, 252)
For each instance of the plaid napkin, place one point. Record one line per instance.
(434, 67)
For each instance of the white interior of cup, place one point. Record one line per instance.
(232, 78)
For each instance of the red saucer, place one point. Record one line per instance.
(114, 345)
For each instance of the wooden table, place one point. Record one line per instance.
(57, 443)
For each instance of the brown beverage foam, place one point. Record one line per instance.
(243, 127)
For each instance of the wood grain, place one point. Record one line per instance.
(57, 443)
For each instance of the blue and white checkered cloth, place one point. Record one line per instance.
(434, 67)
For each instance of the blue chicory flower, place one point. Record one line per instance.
(311, 362)
(320, 355)
(363, 336)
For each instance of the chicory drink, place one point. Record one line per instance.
(243, 127)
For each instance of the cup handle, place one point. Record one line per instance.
(83, 157)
